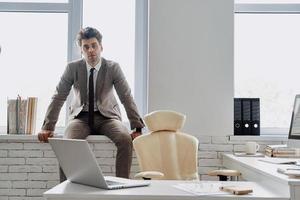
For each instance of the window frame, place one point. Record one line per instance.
(141, 56)
(268, 8)
(264, 8)
(74, 9)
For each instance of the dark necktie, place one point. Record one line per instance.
(91, 99)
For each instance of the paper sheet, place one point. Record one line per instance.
(201, 188)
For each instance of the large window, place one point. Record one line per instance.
(34, 51)
(36, 1)
(267, 46)
(37, 39)
(36, 42)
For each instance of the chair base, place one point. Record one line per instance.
(222, 178)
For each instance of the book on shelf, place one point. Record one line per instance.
(281, 151)
(286, 155)
(276, 146)
(21, 115)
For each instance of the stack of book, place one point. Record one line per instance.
(21, 115)
(281, 151)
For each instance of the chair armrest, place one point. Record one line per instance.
(224, 172)
(149, 175)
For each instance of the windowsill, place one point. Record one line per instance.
(266, 134)
(97, 138)
(258, 138)
(59, 130)
(33, 138)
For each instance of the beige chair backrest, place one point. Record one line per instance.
(166, 149)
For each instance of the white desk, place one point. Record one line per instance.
(158, 190)
(265, 174)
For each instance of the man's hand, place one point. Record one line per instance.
(44, 135)
(135, 134)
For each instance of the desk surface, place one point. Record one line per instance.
(162, 190)
(263, 173)
(264, 168)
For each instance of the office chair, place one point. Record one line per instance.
(166, 152)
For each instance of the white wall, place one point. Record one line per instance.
(191, 62)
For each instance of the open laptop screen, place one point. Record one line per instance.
(294, 132)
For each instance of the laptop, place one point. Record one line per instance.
(80, 165)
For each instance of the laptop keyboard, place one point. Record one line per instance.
(113, 183)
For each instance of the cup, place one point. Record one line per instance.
(251, 147)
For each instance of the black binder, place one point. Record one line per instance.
(246, 116)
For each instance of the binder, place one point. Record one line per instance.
(246, 116)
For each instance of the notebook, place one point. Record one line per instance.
(290, 171)
(242, 154)
(80, 165)
(282, 161)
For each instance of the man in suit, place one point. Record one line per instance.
(94, 109)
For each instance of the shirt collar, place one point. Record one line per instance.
(97, 67)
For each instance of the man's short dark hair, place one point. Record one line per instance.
(88, 33)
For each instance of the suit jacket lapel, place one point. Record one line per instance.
(82, 80)
(100, 78)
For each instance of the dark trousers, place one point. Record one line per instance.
(114, 129)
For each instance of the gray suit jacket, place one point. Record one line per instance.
(110, 75)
